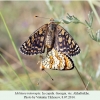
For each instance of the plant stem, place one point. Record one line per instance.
(13, 71)
(15, 48)
(94, 10)
(81, 78)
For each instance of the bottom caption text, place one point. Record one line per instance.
(53, 95)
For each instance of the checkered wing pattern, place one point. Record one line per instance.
(65, 43)
(35, 43)
(57, 61)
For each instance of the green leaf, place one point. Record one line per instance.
(95, 37)
(57, 21)
(98, 35)
(90, 16)
(69, 17)
(87, 23)
(75, 20)
(66, 21)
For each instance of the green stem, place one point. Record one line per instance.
(51, 8)
(13, 71)
(82, 23)
(94, 10)
(81, 78)
(15, 48)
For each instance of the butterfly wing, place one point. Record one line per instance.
(35, 43)
(57, 61)
(65, 43)
(69, 64)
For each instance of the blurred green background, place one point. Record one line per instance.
(20, 20)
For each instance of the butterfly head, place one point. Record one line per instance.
(51, 20)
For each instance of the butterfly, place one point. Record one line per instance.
(57, 61)
(49, 36)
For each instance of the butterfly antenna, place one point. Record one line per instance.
(49, 74)
(42, 17)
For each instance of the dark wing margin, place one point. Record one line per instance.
(69, 61)
(35, 43)
(65, 43)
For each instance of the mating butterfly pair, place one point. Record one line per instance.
(59, 44)
(57, 61)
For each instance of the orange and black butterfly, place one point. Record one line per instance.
(56, 61)
(49, 36)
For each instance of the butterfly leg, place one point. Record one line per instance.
(41, 57)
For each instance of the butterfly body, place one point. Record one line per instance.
(49, 36)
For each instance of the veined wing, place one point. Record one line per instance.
(65, 43)
(35, 43)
